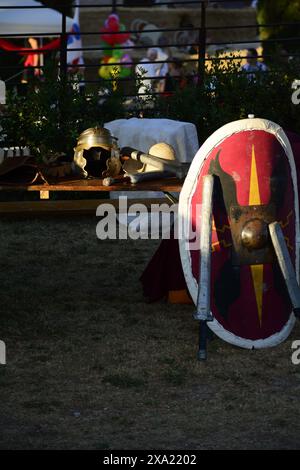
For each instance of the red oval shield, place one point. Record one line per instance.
(255, 184)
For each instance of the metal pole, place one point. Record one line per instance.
(114, 6)
(203, 300)
(203, 313)
(63, 69)
(63, 46)
(202, 44)
(203, 333)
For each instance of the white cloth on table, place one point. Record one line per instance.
(142, 133)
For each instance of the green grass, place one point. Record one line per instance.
(123, 380)
(90, 365)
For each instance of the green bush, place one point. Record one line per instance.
(52, 114)
(276, 12)
(227, 94)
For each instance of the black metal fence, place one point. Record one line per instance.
(199, 34)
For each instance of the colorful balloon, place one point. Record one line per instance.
(113, 31)
(114, 37)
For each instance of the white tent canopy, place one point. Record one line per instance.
(30, 21)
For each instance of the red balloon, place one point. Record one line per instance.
(112, 25)
(113, 39)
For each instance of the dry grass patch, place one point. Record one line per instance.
(91, 366)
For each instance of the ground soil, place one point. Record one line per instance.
(90, 365)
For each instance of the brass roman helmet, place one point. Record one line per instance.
(97, 153)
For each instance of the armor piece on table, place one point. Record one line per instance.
(160, 149)
(96, 153)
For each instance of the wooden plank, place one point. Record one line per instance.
(44, 194)
(73, 207)
(167, 184)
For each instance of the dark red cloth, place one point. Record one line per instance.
(163, 272)
(295, 144)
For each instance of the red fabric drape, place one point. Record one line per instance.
(9, 46)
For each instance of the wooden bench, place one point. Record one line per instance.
(46, 206)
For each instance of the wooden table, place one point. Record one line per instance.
(95, 184)
(45, 205)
